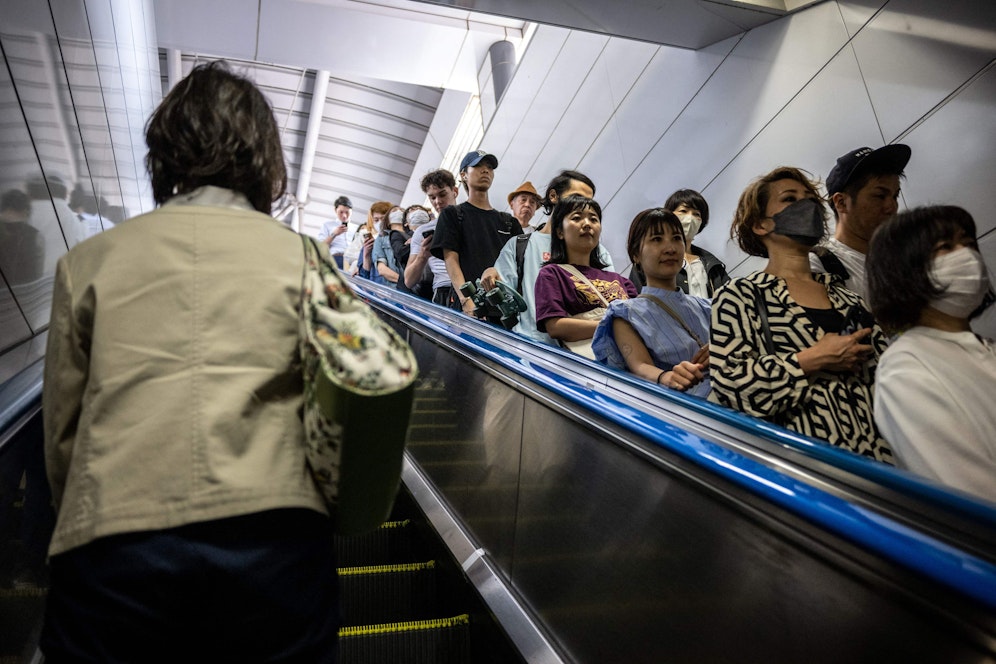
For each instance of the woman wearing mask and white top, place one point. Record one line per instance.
(702, 273)
(935, 382)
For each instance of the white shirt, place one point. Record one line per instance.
(935, 402)
(440, 277)
(698, 280)
(340, 242)
(852, 259)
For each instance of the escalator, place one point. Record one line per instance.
(629, 523)
(556, 511)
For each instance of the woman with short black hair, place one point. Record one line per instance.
(573, 289)
(935, 383)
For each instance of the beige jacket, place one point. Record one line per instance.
(172, 393)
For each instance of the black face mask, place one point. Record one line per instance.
(802, 221)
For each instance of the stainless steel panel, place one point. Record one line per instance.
(13, 328)
(465, 434)
(98, 179)
(32, 237)
(116, 71)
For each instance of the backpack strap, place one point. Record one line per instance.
(762, 313)
(520, 258)
(831, 263)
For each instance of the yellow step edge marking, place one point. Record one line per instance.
(370, 630)
(386, 569)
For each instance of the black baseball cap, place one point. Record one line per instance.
(890, 159)
(342, 200)
(476, 157)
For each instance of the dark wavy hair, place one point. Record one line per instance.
(558, 248)
(754, 202)
(560, 184)
(215, 128)
(649, 222)
(692, 199)
(440, 177)
(897, 268)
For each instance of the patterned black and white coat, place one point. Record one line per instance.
(832, 406)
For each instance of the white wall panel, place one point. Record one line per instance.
(607, 84)
(452, 104)
(795, 137)
(954, 154)
(856, 13)
(528, 83)
(229, 26)
(763, 73)
(355, 42)
(664, 88)
(913, 51)
(533, 136)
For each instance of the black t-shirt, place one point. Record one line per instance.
(476, 235)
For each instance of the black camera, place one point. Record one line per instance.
(501, 302)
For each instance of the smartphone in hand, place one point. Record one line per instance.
(856, 318)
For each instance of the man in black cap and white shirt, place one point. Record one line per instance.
(469, 236)
(333, 233)
(863, 188)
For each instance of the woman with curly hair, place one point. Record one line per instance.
(793, 347)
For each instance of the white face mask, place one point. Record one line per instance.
(396, 217)
(690, 224)
(963, 277)
(417, 217)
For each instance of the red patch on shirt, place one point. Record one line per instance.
(546, 256)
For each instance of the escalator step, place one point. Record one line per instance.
(388, 593)
(435, 641)
(389, 544)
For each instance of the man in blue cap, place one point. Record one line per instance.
(863, 188)
(469, 236)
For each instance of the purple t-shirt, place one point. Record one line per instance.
(560, 295)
